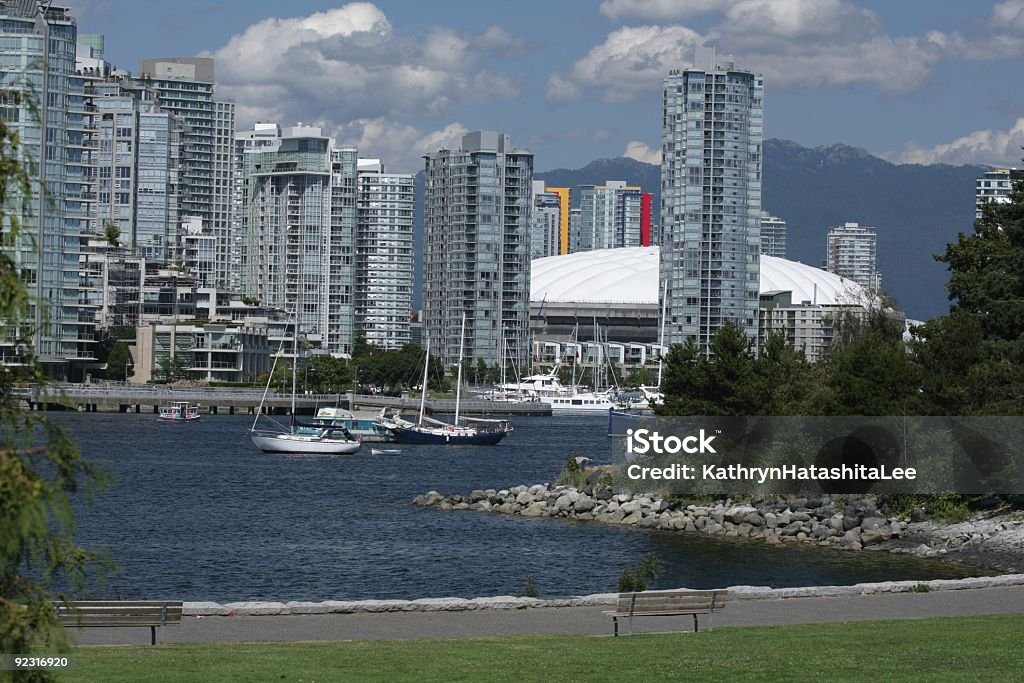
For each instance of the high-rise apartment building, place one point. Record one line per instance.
(477, 249)
(852, 253)
(262, 135)
(995, 186)
(563, 209)
(613, 215)
(50, 242)
(384, 255)
(186, 88)
(299, 225)
(131, 181)
(773, 235)
(545, 221)
(712, 132)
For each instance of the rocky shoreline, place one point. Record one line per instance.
(850, 523)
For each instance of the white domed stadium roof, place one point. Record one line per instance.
(630, 276)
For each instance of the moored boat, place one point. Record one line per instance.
(461, 431)
(320, 437)
(179, 411)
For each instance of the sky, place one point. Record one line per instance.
(913, 81)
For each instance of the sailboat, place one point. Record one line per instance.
(324, 437)
(426, 430)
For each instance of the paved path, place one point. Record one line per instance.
(562, 621)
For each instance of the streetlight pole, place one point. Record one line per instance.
(42, 8)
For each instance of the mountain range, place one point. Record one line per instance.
(916, 209)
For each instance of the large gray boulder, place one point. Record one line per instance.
(584, 504)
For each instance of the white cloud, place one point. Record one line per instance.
(792, 19)
(561, 90)
(631, 61)
(635, 149)
(501, 42)
(346, 65)
(992, 147)
(1009, 14)
(661, 10)
(793, 43)
(400, 146)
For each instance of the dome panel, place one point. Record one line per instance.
(630, 276)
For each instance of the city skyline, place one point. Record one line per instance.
(575, 82)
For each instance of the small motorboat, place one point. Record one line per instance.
(385, 451)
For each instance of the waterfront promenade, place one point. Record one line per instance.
(138, 398)
(564, 620)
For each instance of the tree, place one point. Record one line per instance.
(719, 384)
(40, 467)
(118, 362)
(638, 377)
(360, 348)
(112, 233)
(975, 355)
(871, 373)
(327, 374)
(786, 384)
(173, 368)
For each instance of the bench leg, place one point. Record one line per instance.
(615, 624)
(152, 635)
(694, 623)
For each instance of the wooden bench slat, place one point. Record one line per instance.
(667, 604)
(117, 613)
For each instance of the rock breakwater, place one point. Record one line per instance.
(849, 522)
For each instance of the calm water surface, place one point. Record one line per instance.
(198, 513)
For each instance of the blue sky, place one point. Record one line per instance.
(911, 80)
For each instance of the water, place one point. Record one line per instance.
(198, 513)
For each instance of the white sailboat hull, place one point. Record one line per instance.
(303, 443)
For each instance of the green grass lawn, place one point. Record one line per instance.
(947, 649)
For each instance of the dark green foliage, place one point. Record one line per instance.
(324, 374)
(870, 372)
(735, 382)
(112, 234)
(397, 369)
(634, 579)
(639, 377)
(119, 362)
(173, 368)
(40, 467)
(975, 355)
(530, 591)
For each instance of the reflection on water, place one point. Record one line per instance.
(198, 513)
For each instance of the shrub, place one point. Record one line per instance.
(530, 591)
(634, 579)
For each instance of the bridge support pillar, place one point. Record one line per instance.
(138, 408)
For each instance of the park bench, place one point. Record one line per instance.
(106, 613)
(668, 604)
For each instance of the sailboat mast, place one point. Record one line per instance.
(295, 366)
(458, 381)
(423, 396)
(661, 340)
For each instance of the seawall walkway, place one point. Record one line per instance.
(583, 620)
